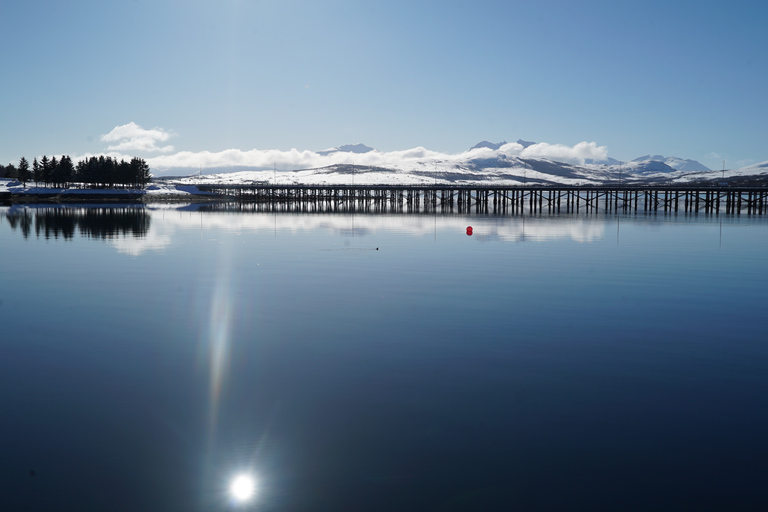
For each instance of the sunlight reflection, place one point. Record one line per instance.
(242, 488)
(218, 342)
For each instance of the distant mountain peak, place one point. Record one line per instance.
(655, 158)
(348, 148)
(489, 145)
(496, 145)
(679, 164)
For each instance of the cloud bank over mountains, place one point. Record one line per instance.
(578, 154)
(418, 157)
(128, 139)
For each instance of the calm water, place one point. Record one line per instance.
(147, 356)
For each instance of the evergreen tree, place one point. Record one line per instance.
(84, 171)
(54, 171)
(45, 164)
(75, 178)
(100, 171)
(37, 171)
(140, 172)
(103, 172)
(123, 173)
(11, 172)
(63, 171)
(23, 171)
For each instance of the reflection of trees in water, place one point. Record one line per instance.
(20, 219)
(91, 222)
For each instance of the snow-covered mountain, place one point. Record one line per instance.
(674, 162)
(500, 170)
(642, 167)
(605, 161)
(751, 175)
(502, 163)
(754, 169)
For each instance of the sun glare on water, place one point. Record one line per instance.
(242, 488)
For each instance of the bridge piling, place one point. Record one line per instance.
(500, 200)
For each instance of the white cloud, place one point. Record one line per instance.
(132, 137)
(577, 154)
(416, 158)
(410, 159)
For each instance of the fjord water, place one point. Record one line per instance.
(364, 362)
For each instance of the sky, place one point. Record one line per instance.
(172, 80)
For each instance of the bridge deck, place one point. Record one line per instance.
(498, 199)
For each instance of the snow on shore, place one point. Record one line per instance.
(158, 190)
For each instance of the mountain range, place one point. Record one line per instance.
(673, 162)
(486, 162)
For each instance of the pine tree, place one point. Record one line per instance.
(37, 171)
(23, 171)
(45, 164)
(84, 170)
(140, 172)
(123, 173)
(54, 171)
(64, 170)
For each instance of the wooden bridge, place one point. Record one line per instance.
(498, 200)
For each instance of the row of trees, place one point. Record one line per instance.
(103, 172)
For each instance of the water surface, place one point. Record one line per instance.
(367, 362)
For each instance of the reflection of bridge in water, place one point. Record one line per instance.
(495, 199)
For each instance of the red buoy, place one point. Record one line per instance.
(469, 230)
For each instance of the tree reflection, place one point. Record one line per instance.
(89, 222)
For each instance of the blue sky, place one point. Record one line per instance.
(685, 78)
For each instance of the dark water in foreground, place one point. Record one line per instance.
(548, 363)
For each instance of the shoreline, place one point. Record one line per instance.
(59, 198)
(12, 192)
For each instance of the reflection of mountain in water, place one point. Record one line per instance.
(103, 223)
(507, 228)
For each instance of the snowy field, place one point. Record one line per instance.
(346, 175)
(515, 172)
